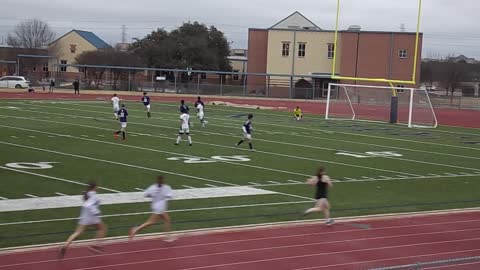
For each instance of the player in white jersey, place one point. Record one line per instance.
(116, 105)
(201, 114)
(160, 193)
(184, 128)
(89, 216)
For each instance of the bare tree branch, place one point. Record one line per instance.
(31, 34)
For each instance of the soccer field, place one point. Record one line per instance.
(49, 149)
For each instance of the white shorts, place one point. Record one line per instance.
(159, 207)
(247, 136)
(123, 124)
(116, 108)
(86, 218)
(147, 106)
(201, 115)
(184, 130)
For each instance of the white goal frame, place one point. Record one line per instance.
(385, 88)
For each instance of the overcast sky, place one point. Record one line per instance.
(450, 26)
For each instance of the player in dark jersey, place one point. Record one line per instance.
(122, 115)
(183, 107)
(199, 101)
(247, 132)
(322, 183)
(146, 102)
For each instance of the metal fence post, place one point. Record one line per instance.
(244, 85)
(291, 87)
(267, 92)
(175, 82)
(198, 84)
(221, 84)
(129, 81)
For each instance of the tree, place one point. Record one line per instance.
(192, 45)
(107, 57)
(32, 34)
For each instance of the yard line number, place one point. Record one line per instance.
(371, 154)
(200, 160)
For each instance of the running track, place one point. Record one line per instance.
(360, 244)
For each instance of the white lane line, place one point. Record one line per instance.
(273, 182)
(101, 135)
(294, 181)
(31, 136)
(253, 183)
(3, 198)
(209, 185)
(61, 194)
(31, 196)
(85, 136)
(350, 179)
(50, 136)
(385, 177)
(186, 186)
(139, 189)
(14, 137)
(51, 177)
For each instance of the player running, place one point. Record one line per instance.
(201, 114)
(160, 193)
(247, 132)
(146, 103)
(122, 114)
(297, 113)
(322, 183)
(184, 128)
(89, 216)
(116, 105)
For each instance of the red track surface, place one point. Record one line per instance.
(344, 246)
(450, 117)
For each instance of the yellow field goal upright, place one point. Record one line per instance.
(382, 80)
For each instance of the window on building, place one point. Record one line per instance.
(402, 54)
(203, 76)
(73, 48)
(285, 49)
(331, 50)
(63, 68)
(302, 47)
(34, 68)
(400, 88)
(45, 67)
(235, 76)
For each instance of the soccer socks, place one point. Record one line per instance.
(149, 114)
(116, 115)
(189, 140)
(240, 142)
(250, 145)
(178, 139)
(123, 135)
(311, 210)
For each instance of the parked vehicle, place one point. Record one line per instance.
(14, 82)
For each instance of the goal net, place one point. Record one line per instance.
(374, 103)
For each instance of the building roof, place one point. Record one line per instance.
(90, 37)
(296, 18)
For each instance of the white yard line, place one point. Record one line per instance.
(36, 203)
(61, 194)
(230, 147)
(310, 146)
(145, 213)
(3, 198)
(340, 132)
(50, 177)
(111, 162)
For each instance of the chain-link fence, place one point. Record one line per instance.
(198, 82)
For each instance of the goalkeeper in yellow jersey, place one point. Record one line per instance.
(297, 113)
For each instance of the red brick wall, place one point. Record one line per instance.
(257, 57)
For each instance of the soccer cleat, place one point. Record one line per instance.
(305, 213)
(190, 144)
(175, 144)
(61, 253)
(96, 249)
(329, 222)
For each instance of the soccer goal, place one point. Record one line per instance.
(375, 103)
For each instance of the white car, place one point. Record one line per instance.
(14, 82)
